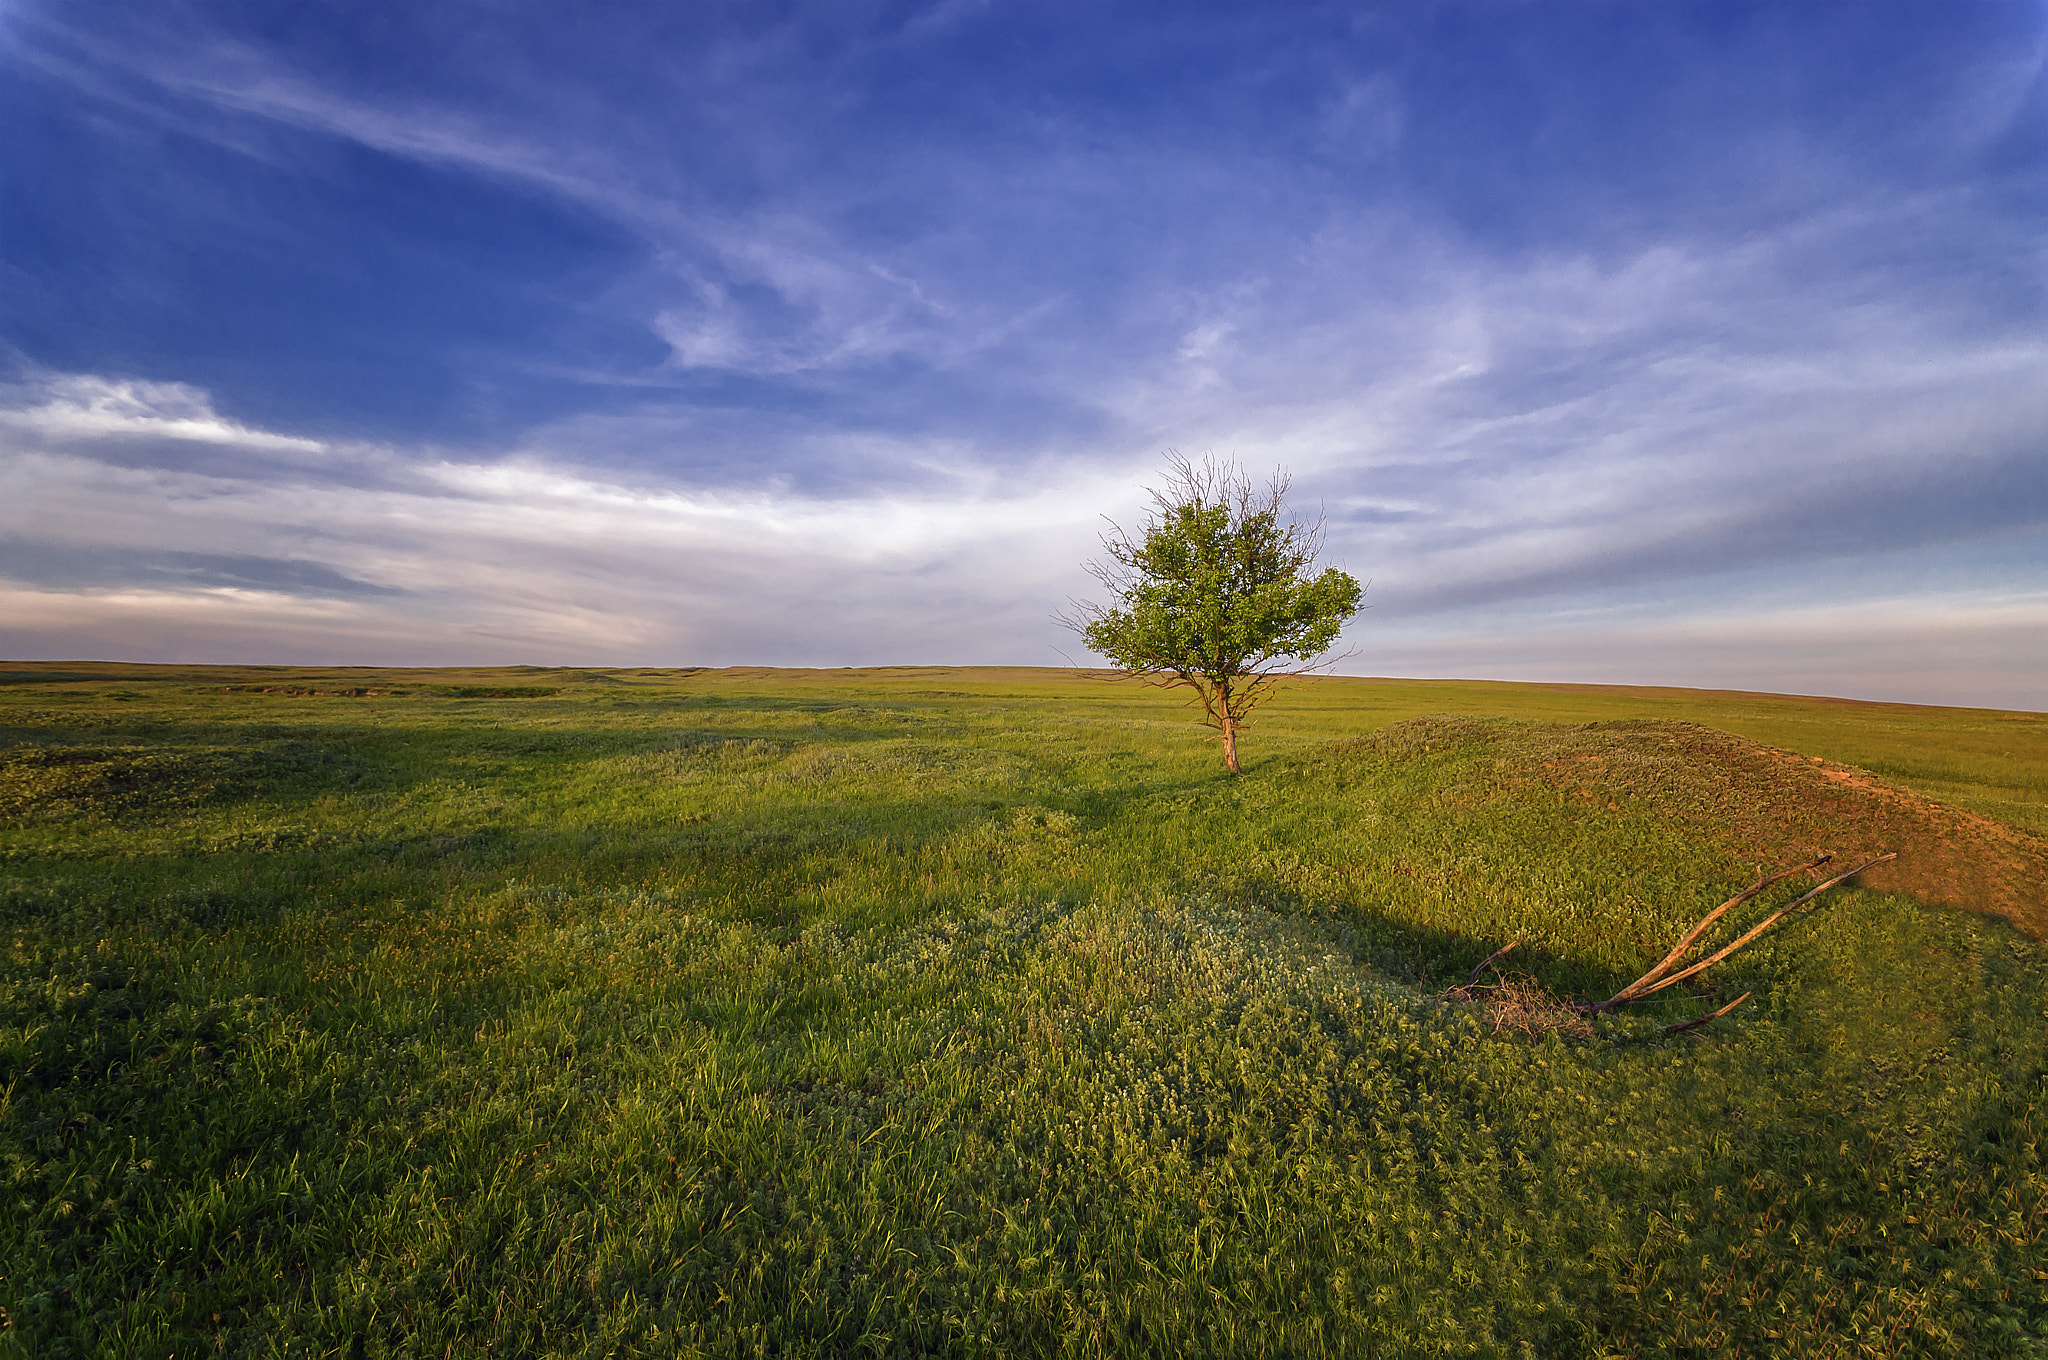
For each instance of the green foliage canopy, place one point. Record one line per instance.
(1215, 593)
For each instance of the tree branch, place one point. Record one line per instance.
(1699, 1020)
(1761, 927)
(1639, 986)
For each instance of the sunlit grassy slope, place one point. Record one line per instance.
(935, 1011)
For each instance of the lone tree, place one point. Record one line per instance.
(1215, 594)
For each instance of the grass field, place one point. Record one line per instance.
(921, 1011)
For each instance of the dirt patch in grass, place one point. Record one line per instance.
(1759, 804)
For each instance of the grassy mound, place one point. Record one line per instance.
(1755, 803)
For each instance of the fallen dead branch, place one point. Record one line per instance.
(1698, 1020)
(1486, 963)
(1636, 989)
(1520, 1004)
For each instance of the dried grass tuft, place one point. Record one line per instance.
(1521, 1004)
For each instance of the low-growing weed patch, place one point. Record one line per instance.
(59, 782)
(978, 1013)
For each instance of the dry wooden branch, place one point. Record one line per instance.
(1636, 991)
(1471, 989)
(1698, 1020)
(1487, 963)
(1641, 986)
(1661, 976)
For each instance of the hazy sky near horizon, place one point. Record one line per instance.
(1647, 343)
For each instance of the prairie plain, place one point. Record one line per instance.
(922, 1011)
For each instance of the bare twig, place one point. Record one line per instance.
(1487, 963)
(1698, 1020)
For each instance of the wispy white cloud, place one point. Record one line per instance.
(66, 407)
(815, 301)
(833, 308)
(518, 553)
(1505, 431)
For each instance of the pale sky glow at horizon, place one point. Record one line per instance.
(1672, 344)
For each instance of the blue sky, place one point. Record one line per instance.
(1697, 345)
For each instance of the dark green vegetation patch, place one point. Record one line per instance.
(743, 1013)
(73, 781)
(370, 692)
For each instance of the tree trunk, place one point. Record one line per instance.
(1229, 726)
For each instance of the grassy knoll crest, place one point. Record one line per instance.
(950, 1010)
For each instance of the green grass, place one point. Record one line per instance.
(955, 1011)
